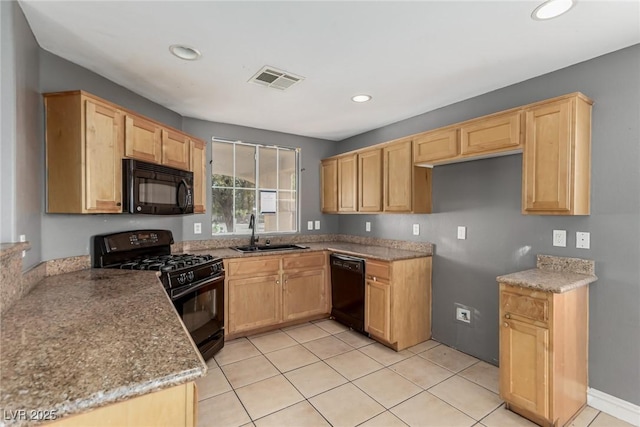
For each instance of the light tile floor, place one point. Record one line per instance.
(322, 374)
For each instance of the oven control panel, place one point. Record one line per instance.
(131, 240)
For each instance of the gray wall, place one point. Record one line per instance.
(484, 196)
(312, 150)
(68, 235)
(21, 161)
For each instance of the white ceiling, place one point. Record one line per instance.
(412, 57)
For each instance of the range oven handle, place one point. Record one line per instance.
(184, 290)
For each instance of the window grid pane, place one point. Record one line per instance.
(239, 172)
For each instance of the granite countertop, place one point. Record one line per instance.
(554, 274)
(89, 338)
(369, 251)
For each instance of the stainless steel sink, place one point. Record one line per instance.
(266, 248)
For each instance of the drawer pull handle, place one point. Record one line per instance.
(506, 325)
(508, 316)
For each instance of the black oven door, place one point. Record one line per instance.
(201, 307)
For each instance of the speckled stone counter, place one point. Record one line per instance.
(554, 274)
(86, 339)
(355, 249)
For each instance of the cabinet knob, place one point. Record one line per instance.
(507, 316)
(118, 204)
(506, 325)
(277, 282)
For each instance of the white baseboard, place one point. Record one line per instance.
(614, 406)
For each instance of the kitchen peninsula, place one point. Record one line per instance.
(99, 340)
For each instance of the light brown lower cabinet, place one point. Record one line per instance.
(265, 291)
(543, 353)
(398, 301)
(171, 407)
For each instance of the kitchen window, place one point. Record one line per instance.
(253, 179)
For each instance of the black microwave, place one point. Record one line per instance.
(156, 189)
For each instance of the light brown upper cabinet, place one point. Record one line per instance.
(198, 166)
(86, 140)
(329, 185)
(175, 150)
(348, 183)
(83, 154)
(557, 157)
(405, 188)
(142, 139)
(493, 134)
(436, 145)
(370, 181)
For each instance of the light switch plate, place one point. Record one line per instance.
(416, 229)
(367, 226)
(197, 228)
(583, 240)
(317, 225)
(462, 232)
(23, 238)
(560, 238)
(309, 225)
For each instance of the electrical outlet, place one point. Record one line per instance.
(23, 238)
(462, 232)
(317, 225)
(560, 238)
(463, 315)
(583, 240)
(197, 228)
(416, 229)
(367, 226)
(309, 225)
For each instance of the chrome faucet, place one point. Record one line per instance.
(252, 226)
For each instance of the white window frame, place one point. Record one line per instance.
(257, 188)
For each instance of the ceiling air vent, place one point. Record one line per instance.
(274, 78)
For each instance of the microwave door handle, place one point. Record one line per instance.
(184, 201)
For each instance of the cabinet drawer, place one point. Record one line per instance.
(377, 269)
(525, 306)
(254, 266)
(303, 261)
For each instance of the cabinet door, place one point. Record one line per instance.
(547, 158)
(103, 153)
(175, 150)
(370, 181)
(201, 183)
(329, 186)
(304, 294)
(524, 366)
(436, 145)
(491, 135)
(377, 315)
(254, 302)
(398, 169)
(347, 183)
(142, 139)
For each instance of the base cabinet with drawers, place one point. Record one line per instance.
(543, 353)
(398, 301)
(264, 291)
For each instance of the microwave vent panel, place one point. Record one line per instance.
(274, 78)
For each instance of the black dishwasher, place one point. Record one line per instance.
(347, 291)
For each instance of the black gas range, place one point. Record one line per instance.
(195, 283)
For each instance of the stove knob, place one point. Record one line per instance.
(190, 276)
(182, 278)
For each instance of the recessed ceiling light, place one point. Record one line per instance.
(361, 98)
(551, 9)
(185, 52)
